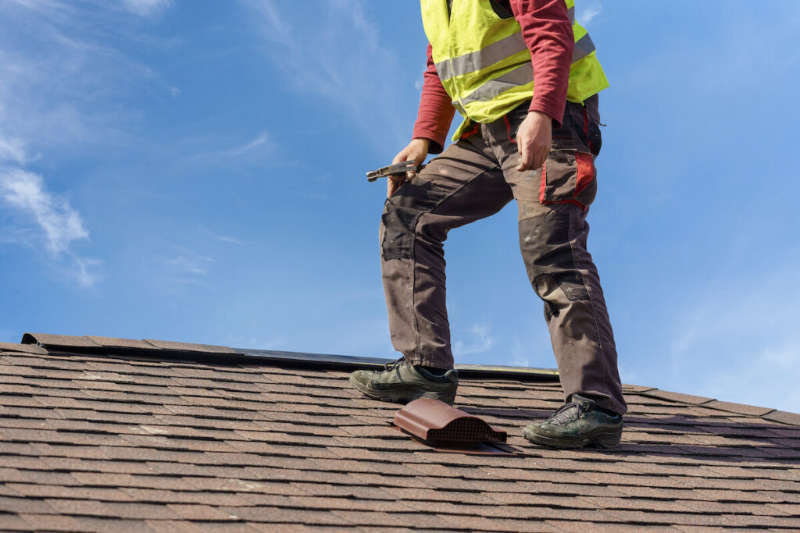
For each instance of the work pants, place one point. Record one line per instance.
(474, 178)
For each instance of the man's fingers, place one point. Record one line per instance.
(523, 157)
(531, 160)
(538, 161)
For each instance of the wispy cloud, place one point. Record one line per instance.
(190, 263)
(254, 151)
(737, 341)
(261, 142)
(354, 72)
(60, 83)
(86, 271)
(70, 42)
(59, 222)
(12, 149)
(48, 218)
(588, 13)
(480, 341)
(146, 7)
(187, 267)
(222, 238)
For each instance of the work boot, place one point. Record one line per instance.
(578, 423)
(401, 382)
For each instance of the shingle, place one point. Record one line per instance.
(675, 396)
(12, 522)
(189, 347)
(175, 526)
(48, 522)
(141, 511)
(739, 408)
(96, 464)
(783, 417)
(63, 341)
(111, 342)
(427, 494)
(70, 492)
(100, 524)
(79, 507)
(272, 515)
(792, 509)
(343, 491)
(199, 512)
(570, 526)
(22, 348)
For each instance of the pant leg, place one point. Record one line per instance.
(553, 203)
(460, 186)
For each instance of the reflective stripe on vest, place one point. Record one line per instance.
(458, 66)
(498, 51)
(488, 91)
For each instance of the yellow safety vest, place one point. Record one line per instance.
(485, 65)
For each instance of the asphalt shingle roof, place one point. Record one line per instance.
(120, 435)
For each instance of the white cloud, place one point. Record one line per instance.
(86, 270)
(480, 341)
(190, 264)
(47, 218)
(736, 341)
(12, 149)
(223, 238)
(262, 141)
(586, 15)
(59, 223)
(256, 151)
(61, 84)
(146, 7)
(353, 72)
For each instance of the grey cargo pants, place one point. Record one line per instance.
(475, 178)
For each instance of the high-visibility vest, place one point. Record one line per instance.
(485, 65)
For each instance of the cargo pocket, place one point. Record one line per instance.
(568, 177)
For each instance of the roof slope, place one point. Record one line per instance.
(138, 439)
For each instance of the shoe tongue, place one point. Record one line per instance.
(583, 401)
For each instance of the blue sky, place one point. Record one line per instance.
(195, 171)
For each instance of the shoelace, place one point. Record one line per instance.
(560, 416)
(394, 364)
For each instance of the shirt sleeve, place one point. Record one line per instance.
(548, 33)
(435, 109)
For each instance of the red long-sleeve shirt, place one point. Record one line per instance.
(548, 34)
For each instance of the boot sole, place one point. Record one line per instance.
(402, 394)
(600, 439)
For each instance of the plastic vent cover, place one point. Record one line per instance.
(435, 421)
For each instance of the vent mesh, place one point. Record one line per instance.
(463, 430)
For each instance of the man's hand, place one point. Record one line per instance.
(533, 140)
(416, 151)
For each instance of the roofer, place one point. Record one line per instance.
(525, 77)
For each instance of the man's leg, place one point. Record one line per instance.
(462, 185)
(553, 202)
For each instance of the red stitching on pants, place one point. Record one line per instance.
(508, 129)
(543, 184)
(471, 132)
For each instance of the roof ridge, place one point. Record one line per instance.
(216, 353)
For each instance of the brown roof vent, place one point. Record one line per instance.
(436, 422)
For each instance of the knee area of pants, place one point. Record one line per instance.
(551, 227)
(397, 230)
